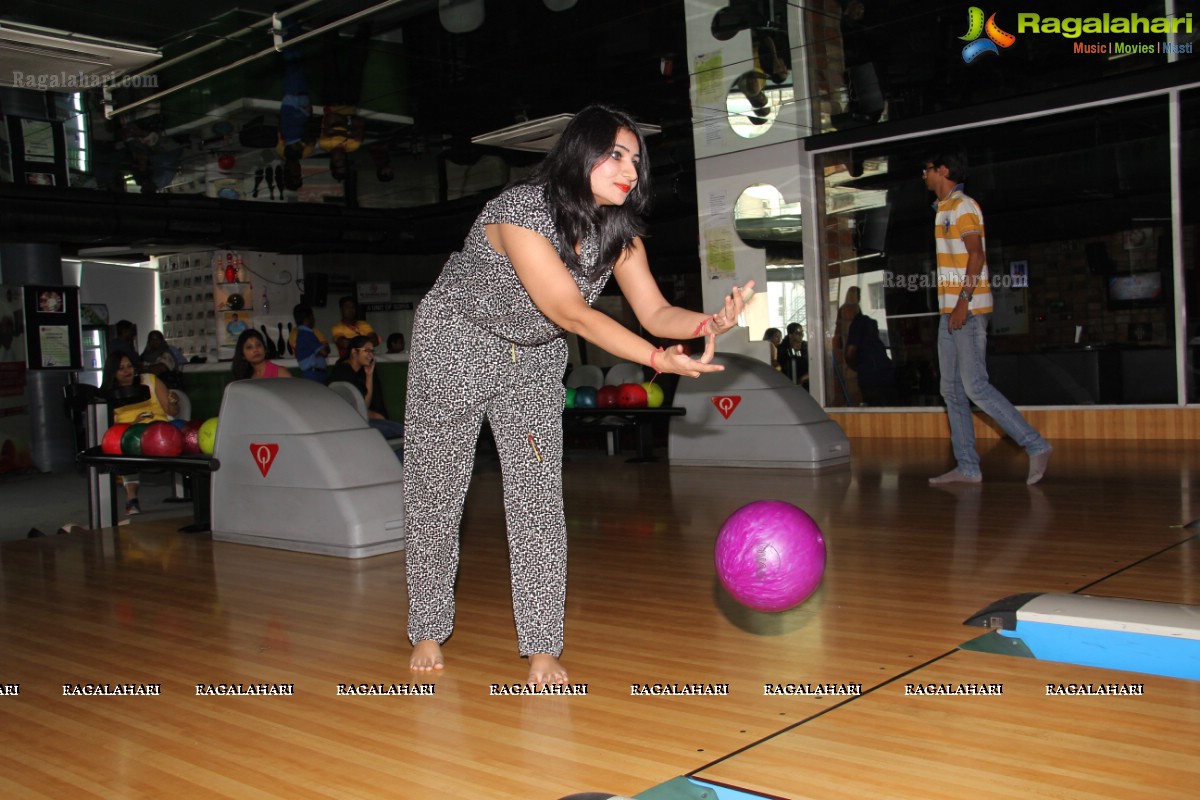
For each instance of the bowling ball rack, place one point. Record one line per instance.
(198, 467)
(614, 420)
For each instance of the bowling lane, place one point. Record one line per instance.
(1166, 577)
(921, 736)
(907, 565)
(1041, 735)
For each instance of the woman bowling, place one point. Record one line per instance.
(162, 405)
(533, 263)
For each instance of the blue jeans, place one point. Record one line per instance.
(962, 356)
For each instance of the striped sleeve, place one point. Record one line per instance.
(956, 218)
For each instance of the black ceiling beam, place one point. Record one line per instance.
(85, 218)
(1182, 73)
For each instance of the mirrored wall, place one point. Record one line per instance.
(1189, 216)
(1081, 251)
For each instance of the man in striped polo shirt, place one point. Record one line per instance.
(965, 300)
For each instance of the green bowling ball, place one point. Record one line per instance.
(131, 440)
(570, 397)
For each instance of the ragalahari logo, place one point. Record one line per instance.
(976, 27)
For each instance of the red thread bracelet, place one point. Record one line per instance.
(701, 327)
(653, 353)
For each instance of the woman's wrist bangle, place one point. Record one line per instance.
(654, 366)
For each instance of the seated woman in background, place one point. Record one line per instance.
(250, 358)
(162, 360)
(775, 337)
(162, 404)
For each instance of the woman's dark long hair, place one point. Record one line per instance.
(567, 172)
(111, 366)
(156, 345)
(241, 368)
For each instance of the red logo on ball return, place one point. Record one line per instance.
(264, 456)
(726, 403)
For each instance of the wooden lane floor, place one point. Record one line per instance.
(145, 605)
(1128, 736)
(896, 743)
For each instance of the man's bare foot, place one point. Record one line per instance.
(544, 670)
(426, 656)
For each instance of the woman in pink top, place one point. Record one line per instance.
(250, 358)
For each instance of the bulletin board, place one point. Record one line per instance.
(52, 332)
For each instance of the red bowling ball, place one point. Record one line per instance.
(631, 395)
(606, 397)
(110, 445)
(162, 440)
(191, 437)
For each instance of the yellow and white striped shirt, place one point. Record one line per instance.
(958, 216)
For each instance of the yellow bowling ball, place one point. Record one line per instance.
(654, 394)
(207, 438)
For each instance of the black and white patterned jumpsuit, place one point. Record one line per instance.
(512, 372)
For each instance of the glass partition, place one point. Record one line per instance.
(1189, 216)
(1078, 221)
(872, 62)
(764, 220)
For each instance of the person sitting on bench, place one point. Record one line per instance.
(358, 368)
(162, 404)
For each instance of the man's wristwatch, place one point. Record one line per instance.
(965, 295)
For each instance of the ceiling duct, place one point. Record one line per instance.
(461, 16)
(539, 135)
(45, 59)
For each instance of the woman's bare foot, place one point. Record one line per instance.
(544, 670)
(426, 656)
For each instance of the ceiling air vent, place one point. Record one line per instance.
(538, 135)
(45, 59)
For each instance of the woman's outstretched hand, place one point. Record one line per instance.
(735, 304)
(725, 319)
(674, 360)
